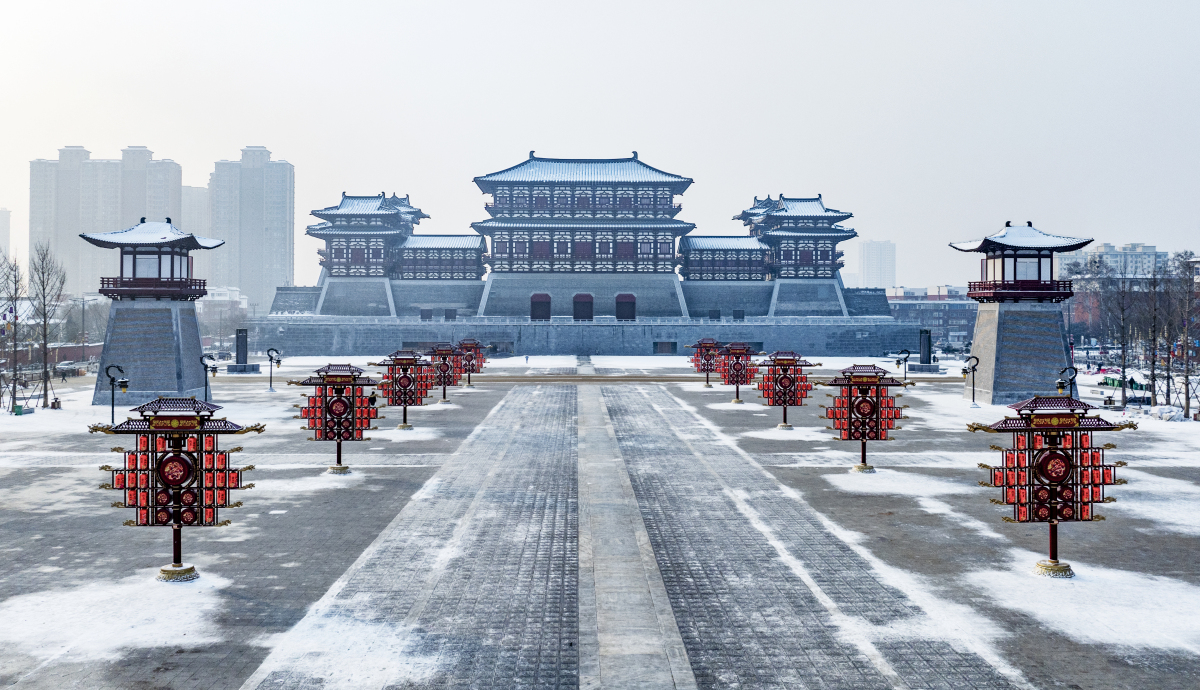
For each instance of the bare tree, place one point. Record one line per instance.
(1186, 305)
(12, 291)
(46, 280)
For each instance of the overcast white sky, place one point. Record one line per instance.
(932, 122)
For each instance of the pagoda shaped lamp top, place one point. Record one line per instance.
(1018, 265)
(154, 261)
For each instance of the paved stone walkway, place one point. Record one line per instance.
(475, 582)
(763, 594)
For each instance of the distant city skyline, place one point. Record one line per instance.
(933, 123)
(877, 264)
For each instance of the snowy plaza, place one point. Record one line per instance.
(595, 532)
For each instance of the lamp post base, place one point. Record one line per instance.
(708, 385)
(864, 469)
(338, 469)
(468, 386)
(1053, 569)
(444, 402)
(737, 401)
(784, 426)
(185, 572)
(404, 427)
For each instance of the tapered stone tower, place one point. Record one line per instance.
(152, 331)
(1020, 337)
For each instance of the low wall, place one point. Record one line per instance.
(815, 336)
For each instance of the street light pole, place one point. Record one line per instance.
(277, 360)
(204, 366)
(113, 382)
(970, 369)
(904, 361)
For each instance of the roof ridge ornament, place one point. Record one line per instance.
(635, 155)
(531, 155)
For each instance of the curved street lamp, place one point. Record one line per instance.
(970, 369)
(1066, 386)
(277, 360)
(113, 382)
(904, 361)
(213, 368)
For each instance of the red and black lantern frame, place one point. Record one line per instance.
(406, 382)
(341, 406)
(176, 475)
(705, 358)
(865, 409)
(473, 358)
(1054, 471)
(736, 367)
(447, 366)
(784, 383)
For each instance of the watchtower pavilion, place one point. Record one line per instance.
(1020, 337)
(152, 332)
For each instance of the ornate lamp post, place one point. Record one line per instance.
(340, 408)
(736, 368)
(447, 367)
(1067, 386)
(472, 357)
(971, 365)
(1053, 472)
(865, 410)
(904, 361)
(705, 357)
(113, 382)
(274, 357)
(175, 476)
(204, 364)
(407, 381)
(784, 383)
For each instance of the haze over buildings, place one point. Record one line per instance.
(5, 230)
(877, 264)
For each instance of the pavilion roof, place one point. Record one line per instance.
(785, 207)
(152, 234)
(1022, 237)
(1051, 402)
(377, 206)
(191, 405)
(583, 171)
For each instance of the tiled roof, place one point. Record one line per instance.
(583, 171)
(443, 242)
(845, 379)
(1051, 402)
(219, 426)
(379, 205)
(1022, 237)
(826, 232)
(595, 224)
(152, 234)
(1084, 423)
(740, 243)
(785, 207)
(177, 405)
(327, 229)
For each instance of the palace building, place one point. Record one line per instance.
(572, 244)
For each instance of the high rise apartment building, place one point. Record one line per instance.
(1133, 260)
(6, 231)
(196, 218)
(252, 203)
(877, 264)
(77, 193)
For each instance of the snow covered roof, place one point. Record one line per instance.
(443, 242)
(785, 207)
(1022, 237)
(737, 243)
(868, 371)
(583, 224)
(582, 171)
(379, 206)
(191, 405)
(152, 234)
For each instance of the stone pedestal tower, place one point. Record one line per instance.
(152, 331)
(1020, 338)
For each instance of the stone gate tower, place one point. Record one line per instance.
(1020, 338)
(152, 331)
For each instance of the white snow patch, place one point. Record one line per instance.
(1169, 502)
(920, 486)
(834, 458)
(747, 406)
(299, 485)
(401, 435)
(796, 433)
(640, 362)
(1099, 605)
(535, 362)
(95, 621)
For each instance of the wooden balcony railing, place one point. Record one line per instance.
(186, 289)
(1019, 290)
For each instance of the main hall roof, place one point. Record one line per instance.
(767, 209)
(583, 171)
(378, 206)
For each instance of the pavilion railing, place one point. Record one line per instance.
(178, 288)
(1019, 290)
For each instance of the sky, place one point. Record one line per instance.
(931, 122)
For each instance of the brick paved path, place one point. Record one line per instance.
(763, 594)
(474, 583)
